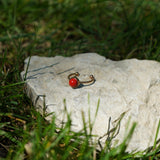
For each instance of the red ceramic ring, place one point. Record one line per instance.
(74, 82)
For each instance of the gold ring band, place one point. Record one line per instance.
(74, 82)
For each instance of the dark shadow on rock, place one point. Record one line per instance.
(85, 85)
(66, 71)
(38, 69)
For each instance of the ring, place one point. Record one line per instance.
(74, 82)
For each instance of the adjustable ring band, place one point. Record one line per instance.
(74, 82)
(73, 75)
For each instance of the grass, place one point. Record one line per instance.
(117, 29)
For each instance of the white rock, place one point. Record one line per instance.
(131, 86)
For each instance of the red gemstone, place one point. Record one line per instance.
(73, 82)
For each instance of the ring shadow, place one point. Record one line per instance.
(85, 85)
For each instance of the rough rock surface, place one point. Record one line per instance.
(129, 86)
